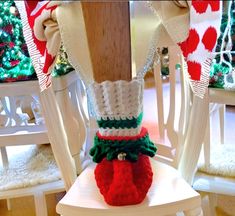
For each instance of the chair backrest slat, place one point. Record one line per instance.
(173, 111)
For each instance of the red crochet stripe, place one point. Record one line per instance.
(142, 133)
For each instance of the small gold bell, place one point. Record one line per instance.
(121, 156)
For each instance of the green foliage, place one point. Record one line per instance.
(127, 123)
(220, 69)
(217, 74)
(15, 63)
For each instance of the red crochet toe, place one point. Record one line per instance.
(123, 182)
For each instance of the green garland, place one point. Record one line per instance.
(127, 123)
(112, 148)
(15, 63)
(217, 73)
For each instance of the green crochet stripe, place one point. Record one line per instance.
(110, 149)
(127, 123)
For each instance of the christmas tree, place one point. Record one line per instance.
(15, 63)
(224, 63)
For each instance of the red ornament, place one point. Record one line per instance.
(24, 47)
(123, 182)
(1, 52)
(212, 80)
(14, 63)
(2, 44)
(8, 28)
(11, 44)
(219, 74)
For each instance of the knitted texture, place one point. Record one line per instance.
(121, 147)
(111, 147)
(118, 100)
(118, 106)
(197, 49)
(127, 123)
(122, 182)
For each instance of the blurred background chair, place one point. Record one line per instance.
(216, 172)
(215, 175)
(173, 107)
(22, 123)
(18, 130)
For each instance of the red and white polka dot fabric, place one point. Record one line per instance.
(205, 18)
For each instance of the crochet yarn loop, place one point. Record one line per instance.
(127, 123)
(111, 148)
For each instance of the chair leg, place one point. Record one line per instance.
(194, 137)
(194, 212)
(3, 153)
(40, 204)
(8, 204)
(207, 143)
(57, 137)
(160, 105)
(5, 163)
(73, 124)
(212, 203)
(222, 122)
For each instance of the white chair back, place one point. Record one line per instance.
(173, 107)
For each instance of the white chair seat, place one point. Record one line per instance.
(214, 184)
(168, 194)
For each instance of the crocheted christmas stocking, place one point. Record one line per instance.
(121, 146)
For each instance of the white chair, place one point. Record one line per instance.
(69, 93)
(172, 127)
(173, 108)
(170, 123)
(216, 101)
(169, 194)
(209, 183)
(202, 182)
(19, 131)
